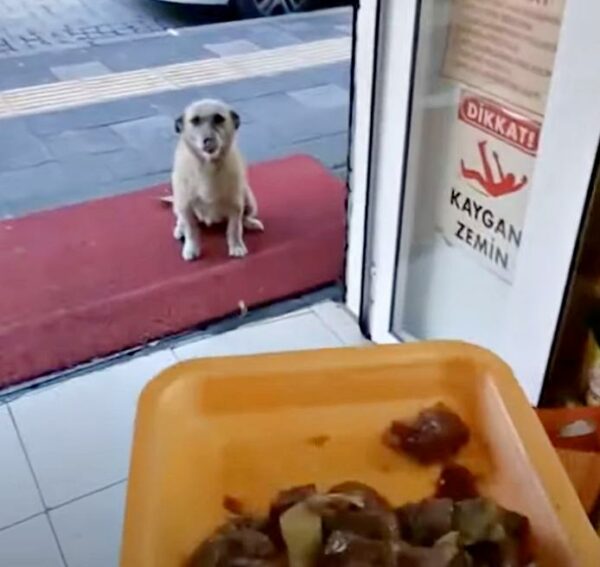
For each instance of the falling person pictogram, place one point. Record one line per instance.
(505, 185)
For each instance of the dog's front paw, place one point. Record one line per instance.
(178, 232)
(190, 251)
(238, 250)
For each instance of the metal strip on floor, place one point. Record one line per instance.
(113, 86)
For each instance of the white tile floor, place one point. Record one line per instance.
(64, 449)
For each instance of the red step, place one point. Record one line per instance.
(89, 280)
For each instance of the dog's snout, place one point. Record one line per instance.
(209, 144)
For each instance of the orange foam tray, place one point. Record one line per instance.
(246, 428)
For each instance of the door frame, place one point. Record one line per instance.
(374, 185)
(387, 35)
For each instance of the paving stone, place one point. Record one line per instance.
(235, 47)
(25, 71)
(84, 172)
(30, 26)
(244, 89)
(89, 116)
(145, 132)
(337, 73)
(80, 70)
(332, 151)
(133, 163)
(258, 142)
(172, 103)
(322, 96)
(261, 32)
(127, 164)
(159, 154)
(264, 35)
(314, 30)
(293, 121)
(26, 190)
(135, 184)
(268, 36)
(150, 52)
(19, 148)
(274, 107)
(346, 29)
(217, 34)
(13, 76)
(87, 141)
(344, 15)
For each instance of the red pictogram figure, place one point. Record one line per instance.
(506, 184)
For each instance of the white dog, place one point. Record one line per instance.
(209, 178)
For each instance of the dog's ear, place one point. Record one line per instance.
(235, 117)
(179, 124)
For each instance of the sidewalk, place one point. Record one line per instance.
(53, 155)
(29, 26)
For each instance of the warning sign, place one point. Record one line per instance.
(505, 48)
(491, 164)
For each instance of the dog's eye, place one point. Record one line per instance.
(195, 120)
(218, 119)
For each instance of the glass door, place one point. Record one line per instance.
(484, 131)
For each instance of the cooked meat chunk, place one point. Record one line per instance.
(235, 545)
(344, 549)
(425, 522)
(445, 553)
(457, 483)
(374, 519)
(435, 436)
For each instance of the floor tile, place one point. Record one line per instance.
(30, 544)
(78, 433)
(304, 331)
(340, 322)
(19, 497)
(89, 529)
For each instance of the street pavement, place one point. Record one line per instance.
(55, 158)
(30, 26)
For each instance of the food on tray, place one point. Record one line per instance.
(456, 482)
(434, 436)
(233, 505)
(354, 526)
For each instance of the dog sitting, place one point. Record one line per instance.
(209, 181)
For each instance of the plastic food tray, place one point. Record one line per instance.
(247, 427)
